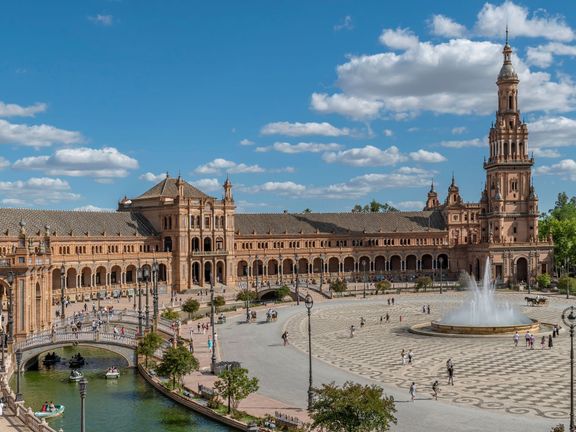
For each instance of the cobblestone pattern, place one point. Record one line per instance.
(489, 373)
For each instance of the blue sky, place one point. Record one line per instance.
(304, 104)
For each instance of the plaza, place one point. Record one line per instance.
(497, 386)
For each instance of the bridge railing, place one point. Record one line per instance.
(48, 338)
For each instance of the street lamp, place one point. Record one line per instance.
(323, 259)
(146, 274)
(62, 283)
(155, 270)
(82, 386)
(139, 278)
(364, 268)
(296, 272)
(309, 302)
(570, 320)
(212, 308)
(441, 261)
(10, 308)
(18, 363)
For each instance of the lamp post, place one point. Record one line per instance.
(296, 272)
(62, 283)
(566, 270)
(140, 278)
(212, 307)
(257, 270)
(309, 302)
(364, 269)
(146, 274)
(441, 261)
(155, 270)
(323, 258)
(18, 363)
(10, 308)
(82, 386)
(569, 318)
(3, 349)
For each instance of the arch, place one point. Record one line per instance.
(317, 265)
(333, 265)
(287, 266)
(71, 278)
(130, 275)
(303, 266)
(361, 261)
(257, 268)
(195, 244)
(219, 243)
(444, 260)
(162, 273)
(348, 264)
(207, 244)
(207, 271)
(220, 276)
(100, 276)
(38, 306)
(115, 275)
(242, 268)
(196, 274)
(395, 263)
(411, 262)
(477, 269)
(272, 267)
(86, 277)
(426, 262)
(521, 270)
(56, 279)
(380, 263)
(167, 244)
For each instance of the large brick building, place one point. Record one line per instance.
(193, 236)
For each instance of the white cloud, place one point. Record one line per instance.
(93, 208)
(207, 184)
(492, 20)
(545, 153)
(37, 135)
(565, 169)
(441, 25)
(349, 106)
(549, 132)
(346, 24)
(427, 156)
(37, 191)
(409, 205)
(301, 129)
(282, 188)
(104, 20)
(4, 163)
(302, 147)
(151, 177)
(388, 132)
(219, 165)
(476, 142)
(246, 142)
(543, 55)
(106, 162)
(459, 130)
(13, 110)
(366, 156)
(400, 39)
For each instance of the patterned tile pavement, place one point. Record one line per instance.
(489, 373)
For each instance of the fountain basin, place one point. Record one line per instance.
(439, 327)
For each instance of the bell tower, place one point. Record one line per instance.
(509, 210)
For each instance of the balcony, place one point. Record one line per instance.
(209, 254)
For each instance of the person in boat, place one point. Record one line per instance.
(44, 407)
(52, 406)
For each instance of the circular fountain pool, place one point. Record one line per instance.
(463, 329)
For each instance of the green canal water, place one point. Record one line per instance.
(124, 405)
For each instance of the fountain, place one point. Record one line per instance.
(481, 314)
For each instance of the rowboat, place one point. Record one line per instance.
(112, 374)
(47, 414)
(75, 375)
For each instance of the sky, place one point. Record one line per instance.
(318, 105)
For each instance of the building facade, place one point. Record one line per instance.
(194, 238)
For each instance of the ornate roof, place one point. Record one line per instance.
(76, 223)
(168, 188)
(339, 223)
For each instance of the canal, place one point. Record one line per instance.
(123, 405)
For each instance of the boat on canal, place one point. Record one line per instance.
(112, 373)
(75, 375)
(77, 361)
(51, 359)
(58, 410)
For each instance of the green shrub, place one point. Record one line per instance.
(383, 285)
(338, 286)
(170, 314)
(544, 280)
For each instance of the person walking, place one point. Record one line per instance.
(435, 389)
(285, 338)
(428, 309)
(352, 330)
(387, 317)
(362, 322)
(532, 341)
(410, 356)
(450, 370)
(403, 355)
(527, 339)
(543, 342)
(516, 339)
(381, 319)
(412, 391)
(210, 344)
(550, 344)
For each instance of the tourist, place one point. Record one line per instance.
(387, 317)
(2, 407)
(550, 342)
(412, 391)
(400, 318)
(198, 327)
(543, 342)
(403, 355)
(381, 319)
(527, 338)
(423, 309)
(435, 389)
(352, 330)
(532, 340)
(388, 302)
(392, 301)
(209, 344)
(428, 309)
(410, 356)
(450, 370)
(516, 339)
(285, 338)
(362, 322)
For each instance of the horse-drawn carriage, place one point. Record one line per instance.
(271, 315)
(536, 301)
(252, 316)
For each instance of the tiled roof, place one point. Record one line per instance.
(76, 223)
(339, 223)
(168, 188)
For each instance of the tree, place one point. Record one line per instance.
(219, 301)
(282, 292)
(338, 286)
(357, 209)
(558, 428)
(383, 285)
(566, 283)
(191, 306)
(236, 384)
(423, 282)
(148, 345)
(307, 210)
(373, 207)
(544, 280)
(560, 224)
(246, 295)
(352, 408)
(177, 362)
(170, 314)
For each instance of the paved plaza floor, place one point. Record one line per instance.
(497, 387)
